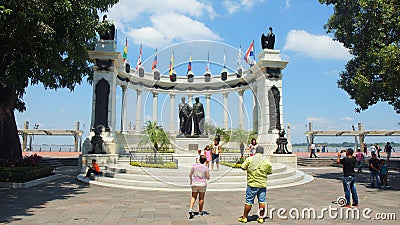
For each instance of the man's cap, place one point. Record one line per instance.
(260, 149)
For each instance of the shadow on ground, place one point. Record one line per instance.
(16, 203)
(364, 178)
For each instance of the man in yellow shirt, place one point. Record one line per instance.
(257, 167)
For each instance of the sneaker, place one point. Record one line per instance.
(260, 220)
(242, 220)
(356, 205)
(201, 213)
(191, 215)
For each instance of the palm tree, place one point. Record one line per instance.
(156, 135)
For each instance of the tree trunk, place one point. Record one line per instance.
(10, 146)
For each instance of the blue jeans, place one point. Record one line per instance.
(360, 164)
(375, 176)
(349, 185)
(252, 192)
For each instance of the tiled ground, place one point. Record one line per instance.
(66, 201)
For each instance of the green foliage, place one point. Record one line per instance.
(371, 30)
(24, 174)
(233, 165)
(240, 135)
(167, 165)
(155, 135)
(47, 41)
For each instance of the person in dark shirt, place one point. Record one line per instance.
(373, 164)
(349, 179)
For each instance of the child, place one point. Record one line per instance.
(198, 156)
(383, 173)
(207, 153)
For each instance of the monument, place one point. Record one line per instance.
(268, 41)
(185, 119)
(198, 117)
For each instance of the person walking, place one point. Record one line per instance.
(378, 149)
(215, 153)
(388, 149)
(365, 149)
(360, 159)
(257, 167)
(374, 169)
(199, 174)
(312, 150)
(349, 179)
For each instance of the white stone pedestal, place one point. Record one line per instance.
(101, 159)
(182, 144)
(289, 160)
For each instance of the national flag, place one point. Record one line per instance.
(155, 61)
(190, 64)
(125, 54)
(171, 65)
(139, 61)
(249, 52)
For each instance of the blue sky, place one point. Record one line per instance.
(310, 92)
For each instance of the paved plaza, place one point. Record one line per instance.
(68, 201)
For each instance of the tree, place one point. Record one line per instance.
(42, 41)
(243, 136)
(371, 30)
(155, 135)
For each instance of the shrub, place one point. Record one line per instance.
(24, 173)
(167, 165)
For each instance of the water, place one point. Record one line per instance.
(52, 148)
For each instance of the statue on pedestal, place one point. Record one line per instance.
(185, 118)
(282, 143)
(109, 32)
(97, 142)
(198, 117)
(268, 41)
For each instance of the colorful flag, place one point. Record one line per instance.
(171, 65)
(249, 52)
(125, 55)
(154, 65)
(190, 64)
(139, 61)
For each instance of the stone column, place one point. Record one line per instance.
(123, 110)
(225, 102)
(241, 117)
(139, 110)
(190, 100)
(208, 109)
(155, 106)
(172, 113)
(255, 109)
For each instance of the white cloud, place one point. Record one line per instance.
(316, 120)
(157, 23)
(317, 46)
(346, 118)
(288, 3)
(234, 5)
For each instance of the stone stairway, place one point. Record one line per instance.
(122, 175)
(316, 162)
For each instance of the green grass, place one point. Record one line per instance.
(167, 165)
(233, 165)
(23, 174)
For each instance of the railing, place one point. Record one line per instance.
(151, 159)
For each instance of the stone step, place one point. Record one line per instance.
(124, 167)
(212, 185)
